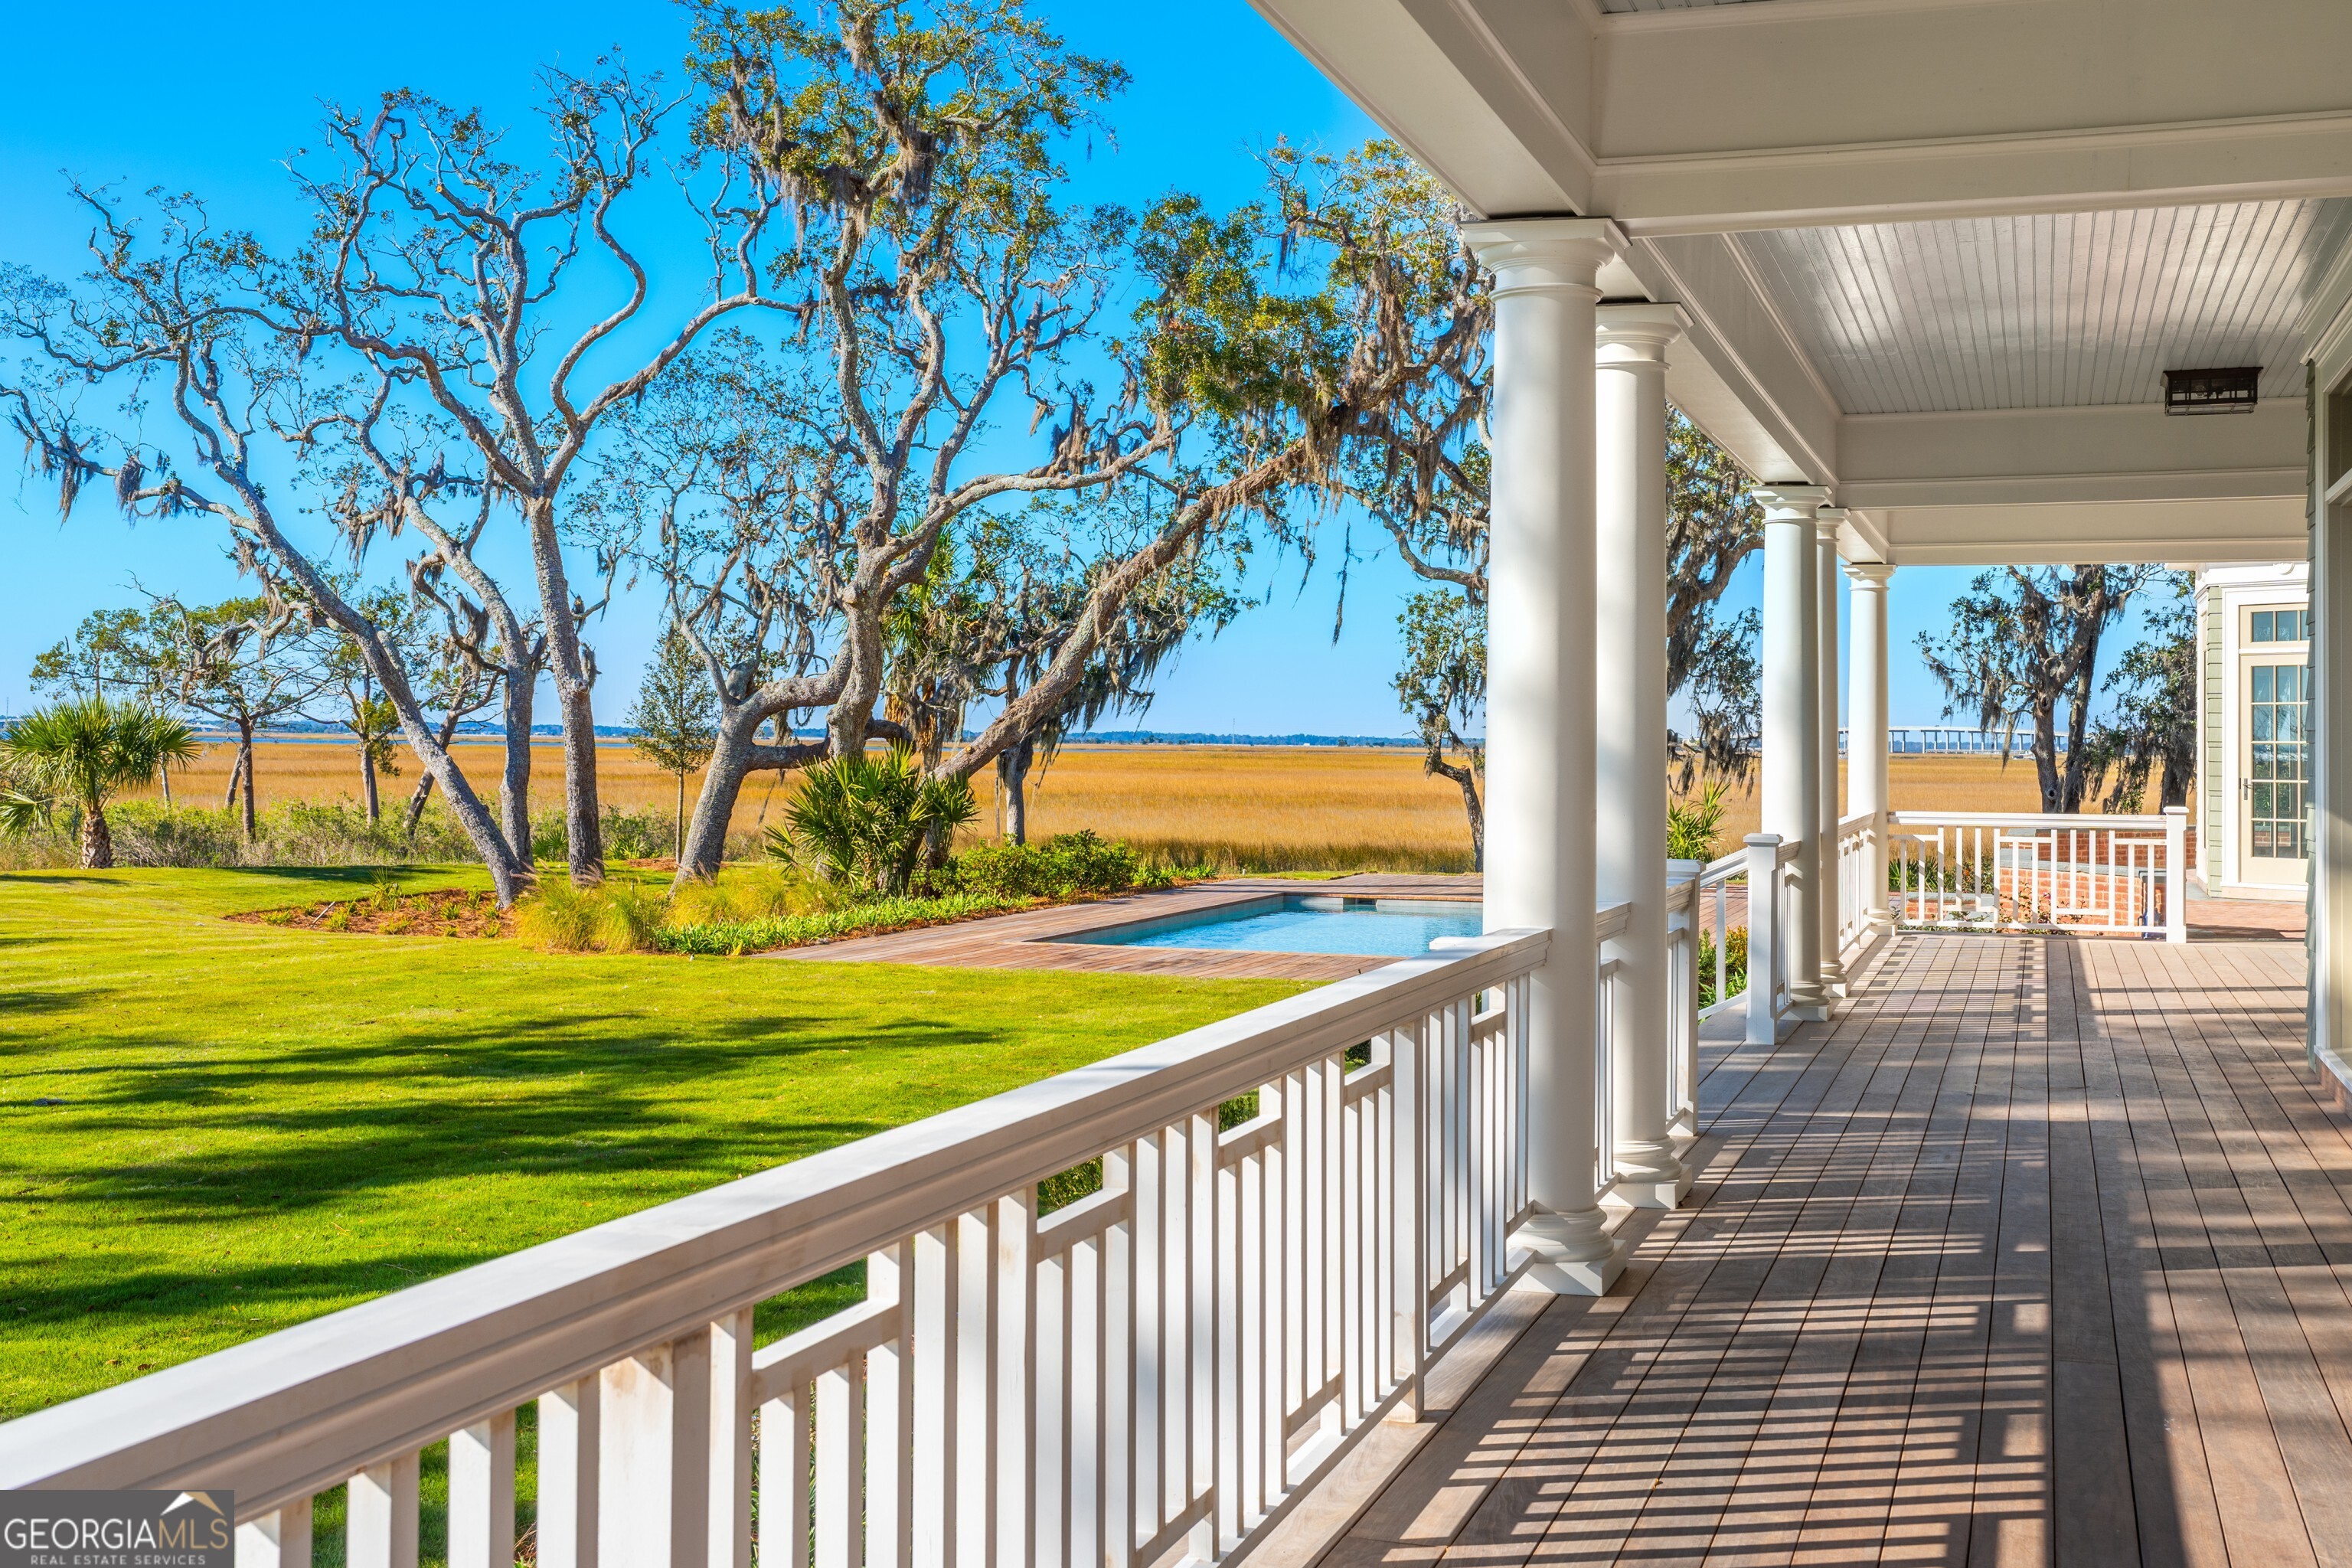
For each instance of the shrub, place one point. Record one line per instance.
(1735, 964)
(647, 835)
(724, 938)
(1064, 867)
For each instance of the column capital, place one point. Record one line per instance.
(1827, 520)
(1632, 336)
(1544, 255)
(1789, 503)
(1869, 575)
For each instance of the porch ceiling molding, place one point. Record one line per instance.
(1781, 113)
(2182, 533)
(2067, 456)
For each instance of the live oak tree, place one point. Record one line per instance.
(1442, 687)
(463, 677)
(2023, 641)
(189, 326)
(453, 267)
(245, 663)
(349, 694)
(1033, 611)
(2151, 728)
(111, 653)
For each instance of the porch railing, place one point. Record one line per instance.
(1152, 1370)
(1683, 879)
(2018, 870)
(1719, 885)
(1860, 886)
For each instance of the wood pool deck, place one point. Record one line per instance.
(2039, 1251)
(1024, 940)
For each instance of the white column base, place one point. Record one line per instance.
(1807, 1009)
(1833, 978)
(1650, 1175)
(1573, 1254)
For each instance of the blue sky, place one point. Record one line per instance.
(249, 81)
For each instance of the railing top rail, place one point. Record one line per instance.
(2083, 821)
(1682, 888)
(1786, 852)
(1856, 823)
(1611, 920)
(1723, 869)
(299, 1410)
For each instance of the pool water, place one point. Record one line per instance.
(1305, 923)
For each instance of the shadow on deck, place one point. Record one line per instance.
(2037, 1252)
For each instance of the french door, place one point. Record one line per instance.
(2275, 758)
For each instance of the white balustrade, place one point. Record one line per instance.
(1859, 896)
(1157, 1368)
(1609, 1018)
(2018, 871)
(1683, 1012)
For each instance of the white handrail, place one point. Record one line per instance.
(2033, 870)
(1158, 1367)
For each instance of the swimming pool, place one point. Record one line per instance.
(1304, 923)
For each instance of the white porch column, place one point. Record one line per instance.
(1865, 747)
(1540, 713)
(1825, 612)
(1792, 706)
(1630, 632)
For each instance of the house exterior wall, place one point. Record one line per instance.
(2223, 593)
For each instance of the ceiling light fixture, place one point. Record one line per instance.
(2211, 391)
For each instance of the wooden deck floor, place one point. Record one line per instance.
(2039, 1252)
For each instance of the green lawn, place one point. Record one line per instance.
(261, 1125)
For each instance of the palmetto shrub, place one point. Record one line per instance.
(865, 822)
(1694, 826)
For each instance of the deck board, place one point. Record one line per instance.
(2039, 1251)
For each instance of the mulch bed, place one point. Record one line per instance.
(448, 912)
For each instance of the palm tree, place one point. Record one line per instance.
(82, 753)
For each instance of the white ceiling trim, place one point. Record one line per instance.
(2307, 156)
(1611, 18)
(2189, 532)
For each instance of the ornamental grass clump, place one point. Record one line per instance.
(630, 919)
(557, 916)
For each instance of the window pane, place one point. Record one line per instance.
(2290, 683)
(2261, 715)
(2262, 629)
(2261, 841)
(2263, 682)
(2290, 721)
